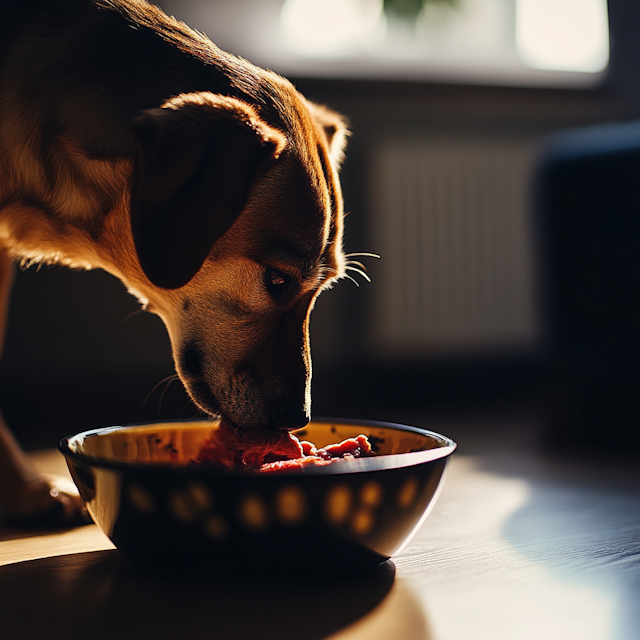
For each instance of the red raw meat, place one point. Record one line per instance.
(271, 451)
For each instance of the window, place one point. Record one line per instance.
(528, 42)
(563, 35)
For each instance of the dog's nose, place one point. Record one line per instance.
(290, 418)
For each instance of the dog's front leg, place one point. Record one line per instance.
(25, 495)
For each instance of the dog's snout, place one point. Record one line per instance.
(290, 418)
(192, 359)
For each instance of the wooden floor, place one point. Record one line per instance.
(520, 546)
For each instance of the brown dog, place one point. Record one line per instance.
(131, 143)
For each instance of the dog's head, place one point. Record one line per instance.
(237, 225)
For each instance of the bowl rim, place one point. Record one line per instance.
(338, 467)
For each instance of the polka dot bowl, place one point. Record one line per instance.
(161, 511)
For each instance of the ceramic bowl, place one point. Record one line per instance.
(159, 510)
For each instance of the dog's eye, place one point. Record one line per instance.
(277, 282)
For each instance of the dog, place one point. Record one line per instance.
(208, 186)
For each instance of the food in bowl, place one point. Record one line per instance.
(160, 509)
(273, 451)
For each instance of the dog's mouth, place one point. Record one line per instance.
(249, 415)
(245, 402)
(207, 402)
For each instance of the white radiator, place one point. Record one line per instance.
(452, 225)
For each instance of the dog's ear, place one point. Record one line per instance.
(335, 130)
(195, 162)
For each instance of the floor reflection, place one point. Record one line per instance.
(523, 548)
(580, 526)
(400, 616)
(100, 595)
(587, 539)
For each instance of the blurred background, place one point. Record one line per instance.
(454, 108)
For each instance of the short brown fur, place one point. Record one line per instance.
(130, 143)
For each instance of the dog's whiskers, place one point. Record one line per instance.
(130, 315)
(166, 381)
(360, 271)
(357, 266)
(361, 255)
(346, 275)
(188, 404)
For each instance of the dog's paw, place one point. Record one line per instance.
(48, 502)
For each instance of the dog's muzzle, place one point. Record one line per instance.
(251, 407)
(290, 418)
